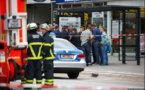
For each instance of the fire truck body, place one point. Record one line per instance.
(13, 30)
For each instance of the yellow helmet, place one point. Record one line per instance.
(32, 26)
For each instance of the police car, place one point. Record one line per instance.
(68, 59)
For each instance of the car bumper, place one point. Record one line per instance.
(64, 67)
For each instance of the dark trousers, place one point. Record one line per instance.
(48, 70)
(93, 52)
(98, 52)
(87, 51)
(33, 69)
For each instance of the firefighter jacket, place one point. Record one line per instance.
(35, 43)
(48, 47)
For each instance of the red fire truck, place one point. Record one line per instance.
(13, 37)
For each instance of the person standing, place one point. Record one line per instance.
(48, 55)
(79, 36)
(74, 37)
(56, 31)
(70, 28)
(86, 37)
(93, 49)
(64, 34)
(97, 46)
(51, 28)
(104, 42)
(35, 43)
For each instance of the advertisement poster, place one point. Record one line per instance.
(115, 28)
(142, 44)
(66, 21)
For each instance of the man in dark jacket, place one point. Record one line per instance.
(48, 55)
(35, 43)
(64, 34)
(74, 39)
(56, 31)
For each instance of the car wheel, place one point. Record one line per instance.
(73, 75)
(13, 70)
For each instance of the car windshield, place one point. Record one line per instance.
(60, 44)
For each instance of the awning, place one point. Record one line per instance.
(98, 9)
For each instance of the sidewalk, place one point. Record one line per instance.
(117, 70)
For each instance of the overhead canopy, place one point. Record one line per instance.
(98, 9)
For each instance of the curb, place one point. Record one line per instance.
(116, 76)
(56, 87)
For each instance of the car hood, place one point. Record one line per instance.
(70, 51)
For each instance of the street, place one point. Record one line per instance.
(88, 83)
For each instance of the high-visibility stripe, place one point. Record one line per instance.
(52, 55)
(43, 53)
(48, 58)
(34, 58)
(49, 83)
(39, 53)
(29, 81)
(36, 43)
(24, 81)
(48, 44)
(32, 51)
(49, 80)
(38, 80)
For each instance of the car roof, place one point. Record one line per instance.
(59, 39)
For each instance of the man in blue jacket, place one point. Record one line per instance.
(97, 46)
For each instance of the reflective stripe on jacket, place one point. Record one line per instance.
(48, 47)
(35, 44)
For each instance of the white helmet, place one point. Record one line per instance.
(45, 26)
(32, 26)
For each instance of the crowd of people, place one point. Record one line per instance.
(92, 39)
(41, 47)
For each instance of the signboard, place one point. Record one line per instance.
(115, 28)
(66, 21)
(14, 23)
(97, 14)
(54, 15)
(69, 1)
(37, 1)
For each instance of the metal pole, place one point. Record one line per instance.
(123, 46)
(138, 37)
(7, 31)
(119, 36)
(52, 13)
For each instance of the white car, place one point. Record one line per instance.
(68, 59)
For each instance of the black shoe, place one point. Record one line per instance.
(94, 63)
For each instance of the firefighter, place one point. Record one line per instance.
(48, 55)
(35, 43)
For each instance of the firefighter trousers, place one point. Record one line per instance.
(34, 70)
(48, 70)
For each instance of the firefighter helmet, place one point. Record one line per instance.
(45, 26)
(32, 26)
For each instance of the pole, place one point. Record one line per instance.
(52, 13)
(138, 37)
(7, 31)
(109, 26)
(123, 46)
